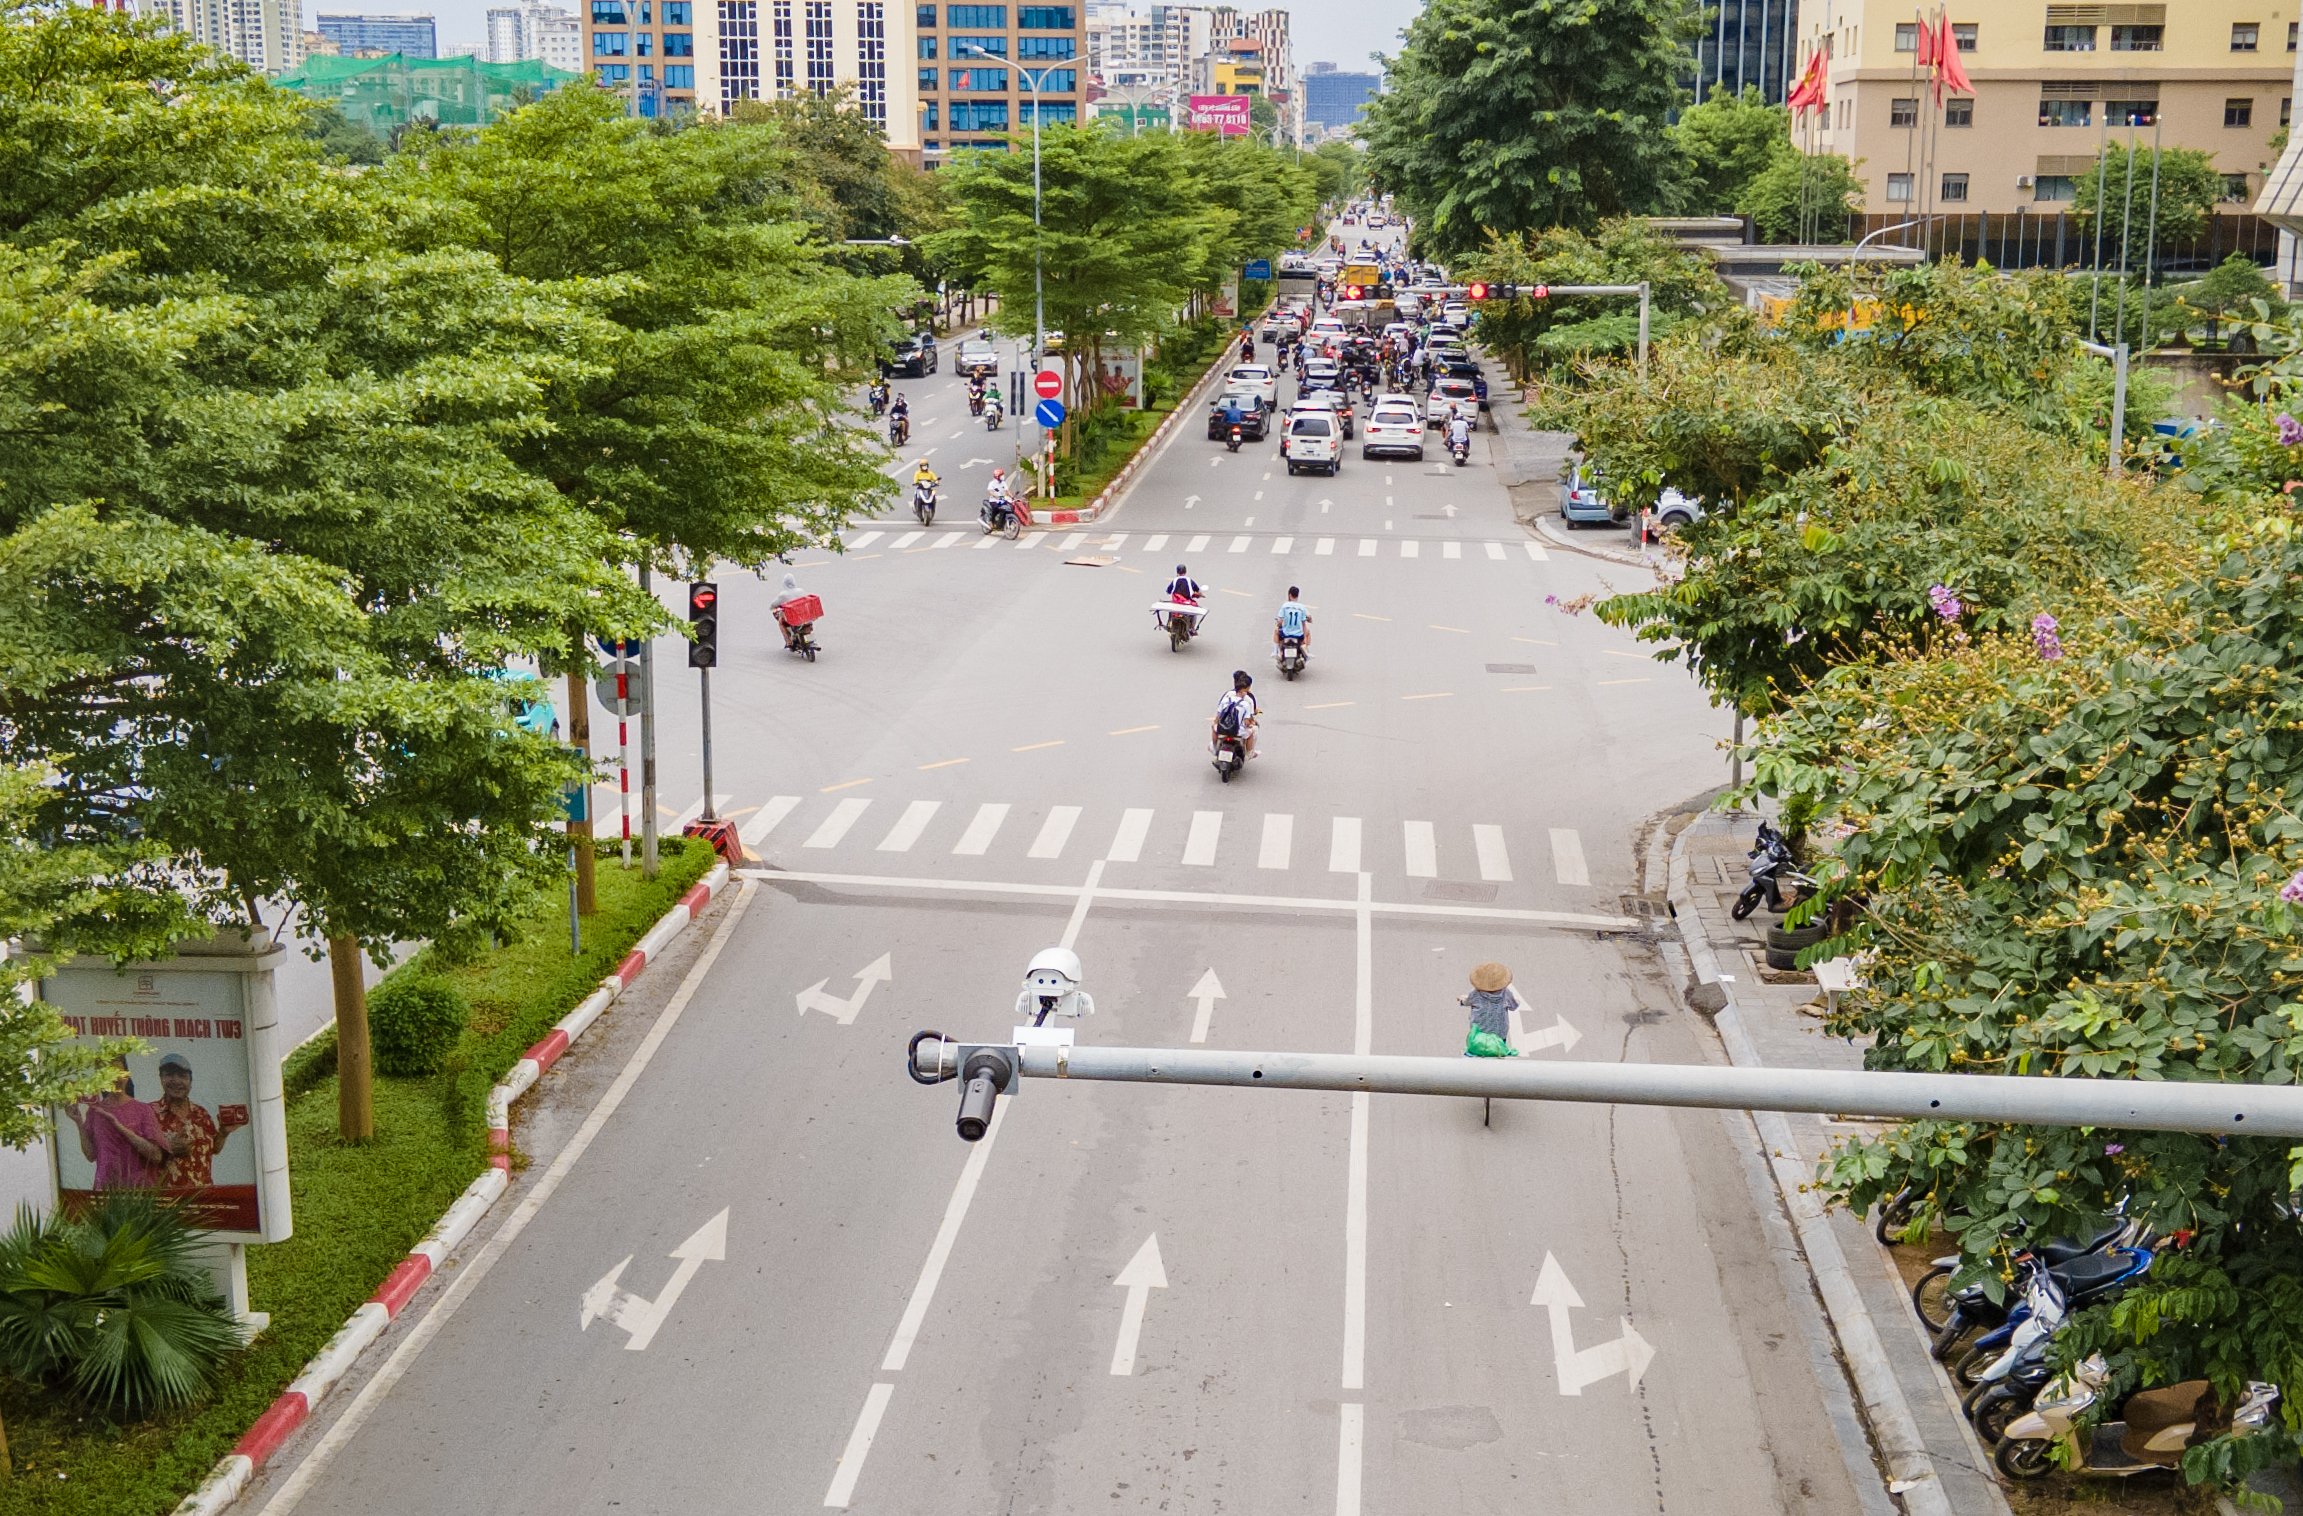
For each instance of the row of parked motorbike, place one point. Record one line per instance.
(1999, 1351)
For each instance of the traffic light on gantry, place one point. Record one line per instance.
(704, 622)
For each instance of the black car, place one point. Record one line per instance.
(915, 357)
(1254, 418)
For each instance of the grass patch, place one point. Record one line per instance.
(358, 1209)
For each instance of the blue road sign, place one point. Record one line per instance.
(1260, 269)
(1049, 414)
(626, 647)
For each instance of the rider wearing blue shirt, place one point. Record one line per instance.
(1292, 621)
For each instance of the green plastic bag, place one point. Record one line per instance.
(1479, 1044)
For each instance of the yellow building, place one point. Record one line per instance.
(2052, 82)
(1239, 75)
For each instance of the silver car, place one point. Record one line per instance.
(1583, 501)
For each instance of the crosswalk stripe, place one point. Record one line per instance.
(1055, 832)
(906, 540)
(866, 539)
(1343, 845)
(1282, 544)
(1027, 543)
(908, 826)
(1367, 547)
(1238, 545)
(1495, 551)
(987, 542)
(1567, 856)
(1128, 841)
(1074, 540)
(1494, 858)
(1411, 549)
(843, 816)
(1115, 542)
(978, 837)
(1323, 547)
(1451, 550)
(1197, 544)
(1278, 834)
(1422, 851)
(696, 808)
(1154, 544)
(763, 821)
(1199, 847)
(949, 539)
(1535, 551)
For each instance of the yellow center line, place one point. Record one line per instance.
(1616, 652)
(1521, 689)
(844, 784)
(1364, 616)
(1243, 594)
(945, 764)
(1623, 681)
(1123, 568)
(741, 810)
(1465, 630)
(1332, 705)
(1440, 695)
(1537, 641)
(1130, 731)
(1033, 747)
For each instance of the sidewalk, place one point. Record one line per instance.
(1530, 462)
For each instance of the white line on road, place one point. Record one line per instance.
(1238, 545)
(1115, 541)
(1259, 493)
(1422, 850)
(1199, 846)
(1567, 856)
(851, 1464)
(1154, 544)
(949, 539)
(1535, 551)
(939, 1253)
(1028, 544)
(981, 831)
(1324, 547)
(843, 816)
(906, 540)
(1074, 540)
(908, 826)
(1128, 842)
(987, 543)
(1495, 550)
(1355, 1192)
(865, 539)
(1282, 544)
(1494, 859)
(1410, 548)
(696, 808)
(763, 820)
(1367, 547)
(1343, 845)
(1451, 550)
(1197, 544)
(1278, 837)
(1352, 1429)
(1055, 832)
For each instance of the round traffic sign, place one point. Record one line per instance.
(1049, 414)
(1047, 384)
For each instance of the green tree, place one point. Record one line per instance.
(2121, 185)
(343, 139)
(1721, 146)
(1534, 335)
(837, 167)
(1801, 197)
(1264, 194)
(2234, 290)
(1514, 115)
(1339, 171)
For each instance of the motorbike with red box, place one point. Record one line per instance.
(798, 618)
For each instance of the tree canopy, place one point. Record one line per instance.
(1722, 144)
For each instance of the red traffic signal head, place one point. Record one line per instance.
(702, 597)
(1478, 291)
(1351, 292)
(1543, 292)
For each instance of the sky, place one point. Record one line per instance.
(1341, 32)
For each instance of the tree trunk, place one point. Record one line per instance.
(355, 1093)
(580, 832)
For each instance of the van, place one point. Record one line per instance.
(1313, 440)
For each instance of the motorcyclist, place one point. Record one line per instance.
(900, 409)
(1240, 707)
(993, 410)
(1458, 428)
(996, 493)
(878, 395)
(925, 474)
(1233, 415)
(790, 592)
(1183, 588)
(1293, 620)
(975, 394)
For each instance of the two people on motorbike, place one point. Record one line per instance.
(1235, 714)
(1458, 428)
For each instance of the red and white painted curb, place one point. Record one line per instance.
(232, 1472)
(1087, 514)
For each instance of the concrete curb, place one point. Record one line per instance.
(363, 1327)
(1548, 528)
(1902, 1452)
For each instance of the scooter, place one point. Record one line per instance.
(924, 501)
(1230, 754)
(899, 429)
(976, 400)
(1232, 438)
(2153, 1429)
(1179, 619)
(994, 417)
(879, 397)
(1002, 516)
(798, 619)
(1771, 869)
(1291, 656)
(1460, 447)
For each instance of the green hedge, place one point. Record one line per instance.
(358, 1209)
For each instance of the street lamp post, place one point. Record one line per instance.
(1855, 261)
(1032, 81)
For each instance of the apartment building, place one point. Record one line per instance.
(685, 55)
(1748, 43)
(2053, 83)
(267, 35)
(1258, 43)
(546, 33)
(970, 77)
(411, 36)
(1147, 47)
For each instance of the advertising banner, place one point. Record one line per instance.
(1122, 378)
(1227, 114)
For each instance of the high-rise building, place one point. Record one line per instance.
(267, 35)
(968, 100)
(776, 49)
(1146, 46)
(517, 34)
(1748, 42)
(2053, 85)
(412, 36)
(1236, 35)
(1333, 98)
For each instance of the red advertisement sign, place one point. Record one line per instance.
(1227, 114)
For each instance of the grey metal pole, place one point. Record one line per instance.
(2254, 1110)
(2118, 438)
(704, 687)
(648, 857)
(1643, 304)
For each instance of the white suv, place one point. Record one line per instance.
(1313, 439)
(1392, 427)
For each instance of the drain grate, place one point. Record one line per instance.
(1511, 668)
(1647, 907)
(1447, 889)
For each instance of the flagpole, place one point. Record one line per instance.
(1911, 137)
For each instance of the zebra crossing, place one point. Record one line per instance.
(922, 540)
(791, 829)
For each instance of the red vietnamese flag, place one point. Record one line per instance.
(1808, 94)
(1954, 72)
(1926, 46)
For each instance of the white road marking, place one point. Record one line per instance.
(1494, 859)
(1199, 846)
(908, 827)
(1495, 550)
(1055, 832)
(1154, 544)
(639, 1316)
(988, 541)
(1027, 543)
(1238, 545)
(851, 1464)
(1535, 551)
(1259, 493)
(1074, 540)
(1355, 1191)
(1115, 541)
(949, 539)
(1282, 544)
(1351, 1434)
(1197, 544)
(1367, 547)
(1576, 1368)
(1128, 842)
(1323, 547)
(843, 1009)
(763, 820)
(1343, 845)
(981, 831)
(1567, 856)
(939, 1252)
(1451, 550)
(1422, 850)
(1143, 1275)
(1410, 548)
(696, 809)
(865, 539)
(843, 816)
(1278, 837)
(906, 540)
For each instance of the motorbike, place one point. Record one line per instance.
(1232, 437)
(1972, 1308)
(976, 401)
(994, 416)
(1460, 448)
(798, 619)
(2049, 1293)
(879, 402)
(899, 429)
(1771, 869)
(1230, 755)
(1179, 619)
(1291, 656)
(924, 501)
(1002, 516)
(2151, 1432)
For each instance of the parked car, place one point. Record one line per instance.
(1392, 427)
(1584, 501)
(1313, 440)
(914, 357)
(978, 356)
(1255, 415)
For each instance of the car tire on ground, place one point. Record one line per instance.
(1419, 455)
(1795, 937)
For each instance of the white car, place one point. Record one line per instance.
(1458, 315)
(1446, 395)
(1257, 377)
(1312, 439)
(1327, 326)
(1392, 426)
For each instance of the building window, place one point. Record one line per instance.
(963, 47)
(1047, 47)
(1954, 186)
(931, 118)
(614, 73)
(979, 115)
(1051, 110)
(739, 50)
(679, 76)
(2070, 39)
(677, 12)
(928, 77)
(979, 81)
(2239, 112)
(2065, 113)
(2138, 39)
(1903, 113)
(1907, 36)
(819, 24)
(927, 47)
(783, 49)
(2286, 109)
(2244, 36)
(1958, 112)
(679, 44)
(611, 44)
(2235, 187)
(980, 17)
(1898, 189)
(2130, 112)
(1046, 18)
(608, 13)
(2052, 187)
(1963, 36)
(872, 61)
(2293, 27)
(644, 45)
(923, 16)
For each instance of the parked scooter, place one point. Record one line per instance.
(1972, 1309)
(924, 501)
(2152, 1431)
(1771, 869)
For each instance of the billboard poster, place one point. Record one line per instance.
(1227, 114)
(193, 1117)
(1121, 378)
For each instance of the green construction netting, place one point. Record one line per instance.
(388, 92)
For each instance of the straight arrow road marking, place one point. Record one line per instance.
(868, 978)
(1143, 1275)
(1207, 992)
(641, 1317)
(1628, 1355)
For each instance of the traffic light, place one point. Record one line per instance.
(1351, 292)
(1478, 291)
(704, 620)
(1541, 292)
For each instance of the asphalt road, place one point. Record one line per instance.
(998, 753)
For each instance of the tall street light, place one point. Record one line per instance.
(1039, 292)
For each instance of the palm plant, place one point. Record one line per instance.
(114, 1305)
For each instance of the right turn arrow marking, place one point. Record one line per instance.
(1629, 1355)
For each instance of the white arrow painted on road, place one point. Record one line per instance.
(1143, 1275)
(1189, 501)
(1558, 1035)
(1207, 992)
(868, 978)
(972, 462)
(1448, 511)
(1629, 1355)
(640, 1317)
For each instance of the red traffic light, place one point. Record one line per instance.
(1478, 292)
(702, 597)
(1543, 292)
(1351, 292)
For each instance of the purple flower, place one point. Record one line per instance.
(2114, 1149)
(2292, 890)
(1946, 604)
(2290, 430)
(2043, 637)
